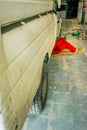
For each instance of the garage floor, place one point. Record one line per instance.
(66, 107)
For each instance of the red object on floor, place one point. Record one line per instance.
(61, 44)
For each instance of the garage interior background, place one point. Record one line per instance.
(72, 9)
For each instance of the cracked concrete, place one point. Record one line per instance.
(66, 107)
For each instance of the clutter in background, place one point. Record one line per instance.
(66, 52)
(79, 33)
(80, 50)
(83, 36)
(62, 44)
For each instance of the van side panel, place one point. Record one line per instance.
(23, 49)
(14, 10)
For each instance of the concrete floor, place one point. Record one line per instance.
(66, 107)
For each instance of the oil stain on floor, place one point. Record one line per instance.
(66, 107)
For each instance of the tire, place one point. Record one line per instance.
(41, 96)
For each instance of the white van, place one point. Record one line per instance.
(28, 30)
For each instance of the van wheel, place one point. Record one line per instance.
(41, 95)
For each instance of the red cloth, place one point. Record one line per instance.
(61, 44)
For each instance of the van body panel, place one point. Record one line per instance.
(23, 52)
(13, 10)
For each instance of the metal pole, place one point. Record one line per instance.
(83, 17)
(84, 11)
